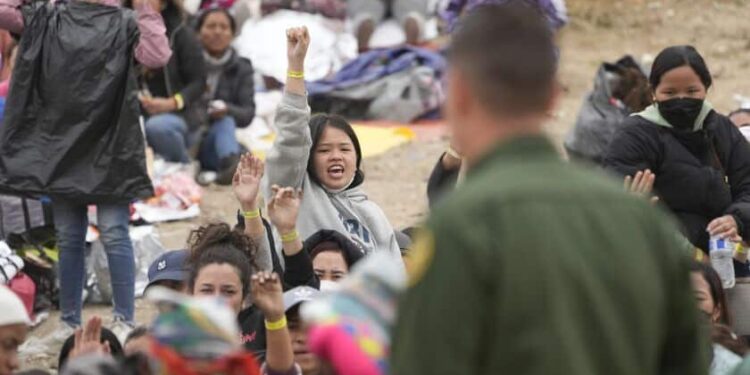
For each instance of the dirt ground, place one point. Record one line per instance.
(600, 30)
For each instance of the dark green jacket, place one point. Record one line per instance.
(539, 267)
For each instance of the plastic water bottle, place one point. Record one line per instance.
(721, 252)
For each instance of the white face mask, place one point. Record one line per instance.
(329, 286)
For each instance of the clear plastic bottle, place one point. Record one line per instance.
(721, 252)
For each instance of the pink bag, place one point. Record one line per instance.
(25, 288)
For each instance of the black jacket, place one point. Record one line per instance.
(236, 88)
(699, 175)
(186, 71)
(299, 267)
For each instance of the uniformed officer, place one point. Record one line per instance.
(535, 266)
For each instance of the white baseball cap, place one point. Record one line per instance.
(13, 310)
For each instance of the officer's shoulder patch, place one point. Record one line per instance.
(420, 257)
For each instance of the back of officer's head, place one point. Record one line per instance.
(503, 61)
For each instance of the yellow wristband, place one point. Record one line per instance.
(295, 74)
(277, 325)
(452, 152)
(254, 214)
(741, 249)
(699, 255)
(289, 237)
(180, 101)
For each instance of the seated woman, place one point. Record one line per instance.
(172, 96)
(323, 259)
(321, 155)
(230, 94)
(700, 160)
(728, 349)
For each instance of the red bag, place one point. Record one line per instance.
(25, 288)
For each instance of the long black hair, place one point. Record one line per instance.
(318, 124)
(678, 56)
(716, 288)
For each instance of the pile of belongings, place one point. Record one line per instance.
(393, 84)
(177, 197)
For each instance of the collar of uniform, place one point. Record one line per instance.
(525, 147)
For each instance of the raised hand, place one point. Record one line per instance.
(268, 295)
(642, 184)
(246, 181)
(88, 339)
(284, 208)
(297, 42)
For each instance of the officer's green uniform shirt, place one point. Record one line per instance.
(537, 267)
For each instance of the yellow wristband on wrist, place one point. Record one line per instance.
(699, 256)
(289, 237)
(295, 74)
(254, 214)
(452, 152)
(740, 249)
(277, 325)
(180, 101)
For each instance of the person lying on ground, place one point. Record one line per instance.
(221, 263)
(324, 257)
(287, 351)
(66, 110)
(366, 15)
(172, 97)
(230, 94)
(690, 145)
(322, 156)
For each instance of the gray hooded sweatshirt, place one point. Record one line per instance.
(348, 212)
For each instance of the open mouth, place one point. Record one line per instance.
(336, 171)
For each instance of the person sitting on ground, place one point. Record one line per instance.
(323, 258)
(230, 93)
(366, 15)
(14, 326)
(83, 342)
(221, 263)
(322, 156)
(138, 341)
(288, 351)
(169, 270)
(690, 145)
(728, 349)
(172, 96)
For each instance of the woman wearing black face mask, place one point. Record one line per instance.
(697, 161)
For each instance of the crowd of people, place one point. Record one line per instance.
(313, 279)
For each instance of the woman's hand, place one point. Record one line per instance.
(297, 42)
(88, 339)
(246, 181)
(724, 227)
(642, 184)
(155, 106)
(284, 208)
(268, 295)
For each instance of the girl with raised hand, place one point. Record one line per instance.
(322, 156)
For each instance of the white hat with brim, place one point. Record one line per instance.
(13, 310)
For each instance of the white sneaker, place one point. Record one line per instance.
(48, 345)
(121, 329)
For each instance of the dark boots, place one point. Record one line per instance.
(227, 167)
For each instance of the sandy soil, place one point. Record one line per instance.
(600, 30)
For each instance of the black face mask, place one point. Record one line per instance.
(681, 112)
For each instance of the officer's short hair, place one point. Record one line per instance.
(508, 54)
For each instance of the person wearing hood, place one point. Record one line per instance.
(322, 156)
(230, 93)
(698, 161)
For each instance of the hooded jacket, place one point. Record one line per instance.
(236, 88)
(347, 211)
(700, 175)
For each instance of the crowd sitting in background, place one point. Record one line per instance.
(311, 281)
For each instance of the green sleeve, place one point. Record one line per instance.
(442, 314)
